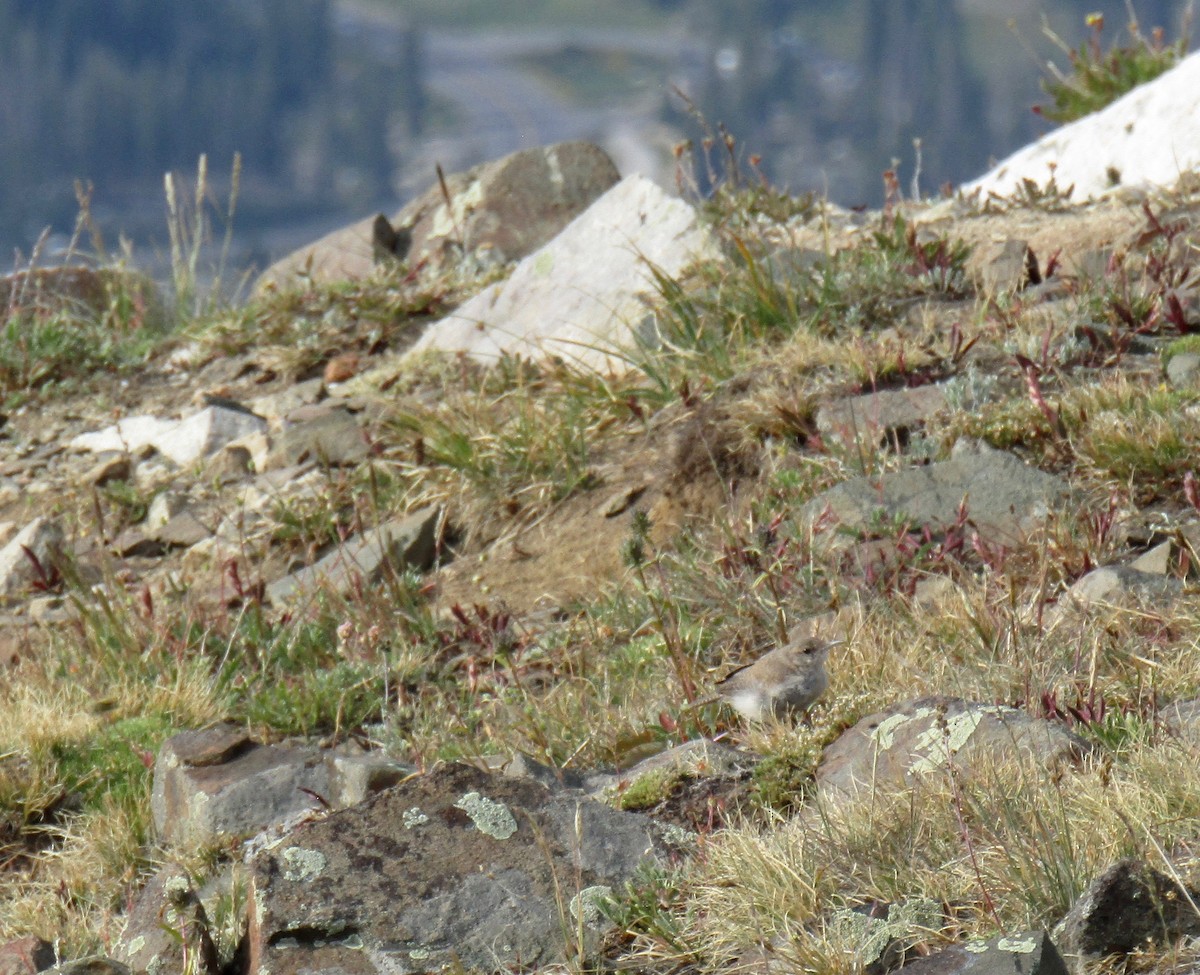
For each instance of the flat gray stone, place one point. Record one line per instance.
(182, 531)
(1118, 585)
(585, 295)
(115, 467)
(128, 435)
(275, 406)
(328, 435)
(405, 542)
(182, 441)
(1005, 497)
(1160, 560)
(1000, 267)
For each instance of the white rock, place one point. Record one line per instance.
(163, 508)
(206, 432)
(10, 492)
(44, 539)
(1149, 137)
(129, 435)
(183, 441)
(584, 294)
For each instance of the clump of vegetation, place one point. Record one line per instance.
(61, 325)
(1096, 77)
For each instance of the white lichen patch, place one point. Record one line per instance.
(414, 817)
(939, 743)
(884, 733)
(446, 220)
(492, 818)
(1019, 946)
(676, 835)
(908, 920)
(303, 865)
(585, 906)
(177, 886)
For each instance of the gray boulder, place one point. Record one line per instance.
(1129, 907)
(411, 541)
(1005, 497)
(219, 782)
(504, 209)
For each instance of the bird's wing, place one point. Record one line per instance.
(733, 673)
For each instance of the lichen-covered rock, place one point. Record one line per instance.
(895, 748)
(167, 929)
(456, 868)
(1032, 953)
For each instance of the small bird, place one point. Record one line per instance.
(787, 680)
(390, 243)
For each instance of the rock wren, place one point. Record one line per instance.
(787, 680)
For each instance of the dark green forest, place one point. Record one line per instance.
(119, 92)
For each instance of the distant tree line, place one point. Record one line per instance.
(120, 91)
(833, 124)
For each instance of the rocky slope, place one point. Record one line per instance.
(373, 626)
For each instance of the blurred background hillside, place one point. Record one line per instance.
(341, 108)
